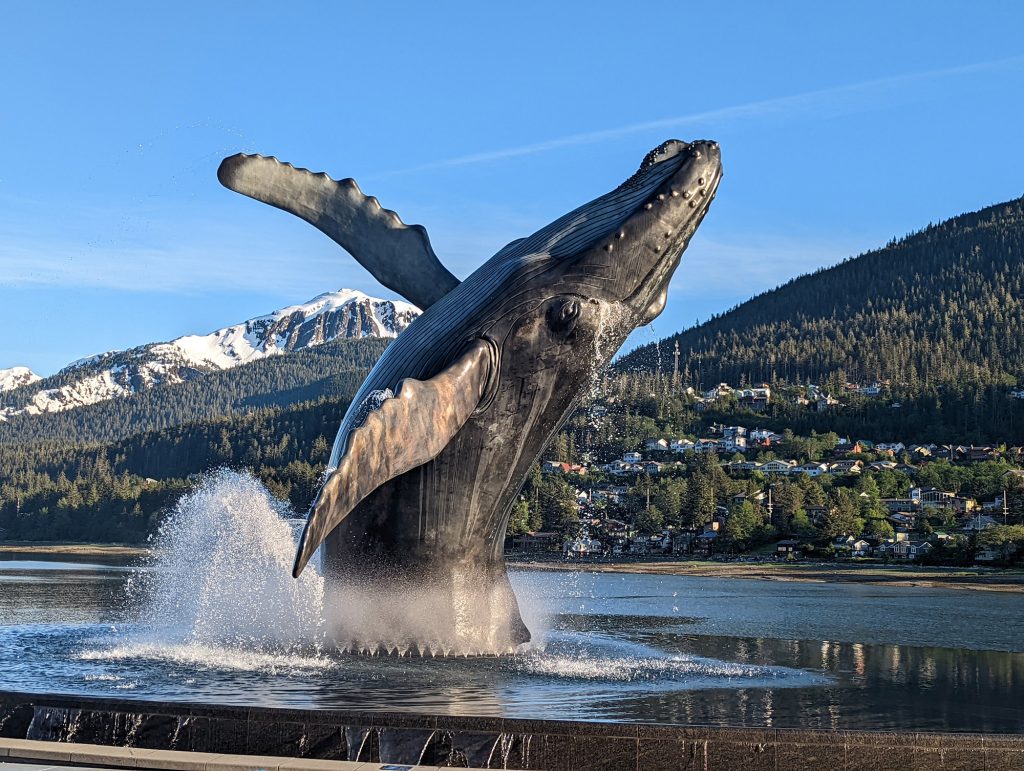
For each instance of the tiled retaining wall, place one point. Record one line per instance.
(405, 738)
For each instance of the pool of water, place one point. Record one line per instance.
(619, 647)
(215, 616)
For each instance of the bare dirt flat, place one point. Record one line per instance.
(987, 579)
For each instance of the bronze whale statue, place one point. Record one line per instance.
(439, 439)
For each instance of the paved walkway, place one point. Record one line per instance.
(25, 755)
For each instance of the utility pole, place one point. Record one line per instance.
(1006, 505)
(675, 368)
(657, 379)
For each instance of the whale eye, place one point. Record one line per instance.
(563, 315)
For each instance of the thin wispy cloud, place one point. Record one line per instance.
(829, 101)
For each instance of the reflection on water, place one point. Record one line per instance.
(631, 648)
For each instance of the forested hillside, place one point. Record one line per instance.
(117, 491)
(333, 370)
(941, 306)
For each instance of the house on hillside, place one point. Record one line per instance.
(813, 469)
(757, 497)
(908, 550)
(778, 466)
(556, 467)
(720, 390)
(708, 446)
(901, 505)
(979, 522)
(890, 448)
(978, 454)
(786, 548)
(847, 467)
(755, 399)
(743, 466)
(764, 437)
(620, 468)
(656, 445)
(581, 547)
(825, 402)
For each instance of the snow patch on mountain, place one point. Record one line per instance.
(15, 377)
(116, 374)
(343, 314)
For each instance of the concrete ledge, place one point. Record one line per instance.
(16, 750)
(289, 739)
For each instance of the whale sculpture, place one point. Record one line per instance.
(439, 439)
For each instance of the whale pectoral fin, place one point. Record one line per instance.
(398, 255)
(406, 431)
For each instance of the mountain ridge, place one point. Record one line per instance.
(345, 314)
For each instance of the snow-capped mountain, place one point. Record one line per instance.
(15, 377)
(346, 313)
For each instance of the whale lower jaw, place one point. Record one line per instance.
(390, 607)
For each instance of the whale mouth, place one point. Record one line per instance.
(638, 232)
(661, 228)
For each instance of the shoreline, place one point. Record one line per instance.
(73, 549)
(931, 577)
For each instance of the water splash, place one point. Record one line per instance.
(219, 582)
(676, 668)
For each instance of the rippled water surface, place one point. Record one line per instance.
(608, 646)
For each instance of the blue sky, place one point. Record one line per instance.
(840, 127)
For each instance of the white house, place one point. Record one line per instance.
(707, 445)
(680, 445)
(813, 469)
(893, 447)
(580, 547)
(778, 466)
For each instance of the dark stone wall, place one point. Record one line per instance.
(407, 738)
